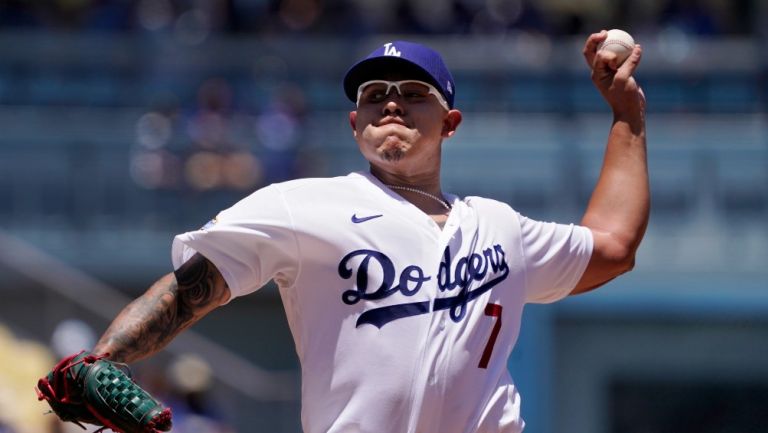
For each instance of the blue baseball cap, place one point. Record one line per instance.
(416, 61)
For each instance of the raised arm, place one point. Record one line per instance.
(172, 304)
(618, 210)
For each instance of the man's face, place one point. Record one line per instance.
(397, 129)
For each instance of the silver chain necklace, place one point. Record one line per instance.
(443, 202)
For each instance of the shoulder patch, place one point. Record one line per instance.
(209, 224)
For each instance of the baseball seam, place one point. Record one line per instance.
(616, 42)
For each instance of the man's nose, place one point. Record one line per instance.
(392, 105)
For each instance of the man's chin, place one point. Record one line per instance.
(391, 155)
(393, 149)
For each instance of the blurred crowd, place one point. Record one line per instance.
(215, 144)
(218, 139)
(356, 17)
(216, 130)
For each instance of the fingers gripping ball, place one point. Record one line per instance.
(618, 42)
(86, 388)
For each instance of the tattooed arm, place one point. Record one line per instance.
(172, 304)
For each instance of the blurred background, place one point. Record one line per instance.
(123, 123)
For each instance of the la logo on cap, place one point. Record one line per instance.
(390, 50)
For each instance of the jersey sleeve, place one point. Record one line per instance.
(250, 243)
(555, 256)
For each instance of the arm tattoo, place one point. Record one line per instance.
(171, 305)
(196, 288)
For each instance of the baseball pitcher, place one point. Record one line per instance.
(404, 301)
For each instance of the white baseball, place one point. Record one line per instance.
(619, 42)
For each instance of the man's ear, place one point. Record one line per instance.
(353, 122)
(451, 122)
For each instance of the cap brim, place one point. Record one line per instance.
(383, 68)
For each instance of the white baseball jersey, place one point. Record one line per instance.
(399, 325)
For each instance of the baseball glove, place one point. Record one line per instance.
(86, 388)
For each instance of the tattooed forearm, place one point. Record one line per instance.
(171, 305)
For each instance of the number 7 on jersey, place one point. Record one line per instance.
(493, 310)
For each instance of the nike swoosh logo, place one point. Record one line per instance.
(358, 220)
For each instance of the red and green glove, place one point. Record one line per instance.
(86, 388)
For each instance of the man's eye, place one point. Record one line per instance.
(376, 96)
(414, 95)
